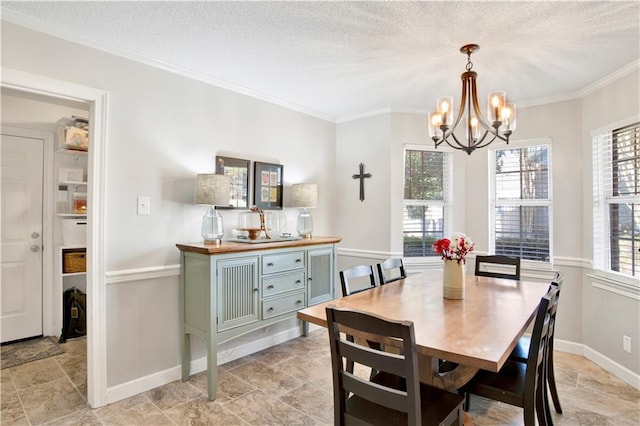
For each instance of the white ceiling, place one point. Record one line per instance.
(339, 60)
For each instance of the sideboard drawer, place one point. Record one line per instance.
(282, 262)
(282, 305)
(276, 284)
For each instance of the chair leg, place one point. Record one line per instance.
(551, 379)
(466, 406)
(544, 395)
(543, 411)
(535, 408)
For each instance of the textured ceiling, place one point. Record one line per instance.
(343, 59)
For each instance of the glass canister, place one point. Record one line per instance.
(79, 203)
(250, 222)
(276, 223)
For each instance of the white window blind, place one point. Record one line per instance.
(427, 185)
(521, 203)
(616, 212)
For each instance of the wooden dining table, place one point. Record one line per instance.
(477, 332)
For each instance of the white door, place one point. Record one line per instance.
(21, 167)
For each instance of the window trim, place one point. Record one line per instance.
(548, 202)
(601, 278)
(448, 210)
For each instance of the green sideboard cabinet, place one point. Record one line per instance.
(232, 289)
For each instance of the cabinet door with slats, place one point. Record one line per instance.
(321, 275)
(238, 292)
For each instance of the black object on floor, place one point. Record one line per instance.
(74, 321)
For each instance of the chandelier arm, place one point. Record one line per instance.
(460, 145)
(463, 107)
(495, 136)
(479, 143)
(476, 108)
(439, 142)
(448, 132)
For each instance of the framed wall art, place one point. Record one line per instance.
(238, 170)
(267, 185)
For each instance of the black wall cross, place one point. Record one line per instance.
(362, 175)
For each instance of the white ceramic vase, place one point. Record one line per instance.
(453, 279)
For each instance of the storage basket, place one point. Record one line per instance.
(73, 133)
(74, 261)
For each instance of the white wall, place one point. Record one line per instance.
(363, 225)
(163, 129)
(590, 320)
(30, 111)
(608, 316)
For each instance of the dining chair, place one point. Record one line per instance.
(390, 270)
(511, 264)
(520, 384)
(394, 395)
(353, 273)
(521, 350)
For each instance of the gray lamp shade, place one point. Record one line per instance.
(305, 195)
(212, 189)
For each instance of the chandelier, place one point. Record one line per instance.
(480, 132)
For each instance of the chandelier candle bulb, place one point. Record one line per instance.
(508, 118)
(496, 104)
(445, 110)
(474, 128)
(435, 121)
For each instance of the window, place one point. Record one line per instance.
(520, 208)
(427, 185)
(616, 215)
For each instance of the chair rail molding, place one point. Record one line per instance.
(142, 274)
(367, 254)
(615, 283)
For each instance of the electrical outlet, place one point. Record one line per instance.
(144, 205)
(626, 344)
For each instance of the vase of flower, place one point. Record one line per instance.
(453, 279)
(453, 253)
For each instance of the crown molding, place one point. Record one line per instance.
(65, 34)
(354, 117)
(572, 96)
(608, 79)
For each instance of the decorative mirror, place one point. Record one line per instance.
(238, 170)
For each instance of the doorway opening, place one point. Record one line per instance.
(27, 85)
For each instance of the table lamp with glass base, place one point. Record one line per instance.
(305, 195)
(213, 190)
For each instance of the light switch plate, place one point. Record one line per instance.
(626, 344)
(144, 205)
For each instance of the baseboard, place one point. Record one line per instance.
(620, 371)
(143, 384)
(569, 347)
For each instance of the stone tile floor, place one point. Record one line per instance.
(284, 385)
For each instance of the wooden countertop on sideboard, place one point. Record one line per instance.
(235, 247)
